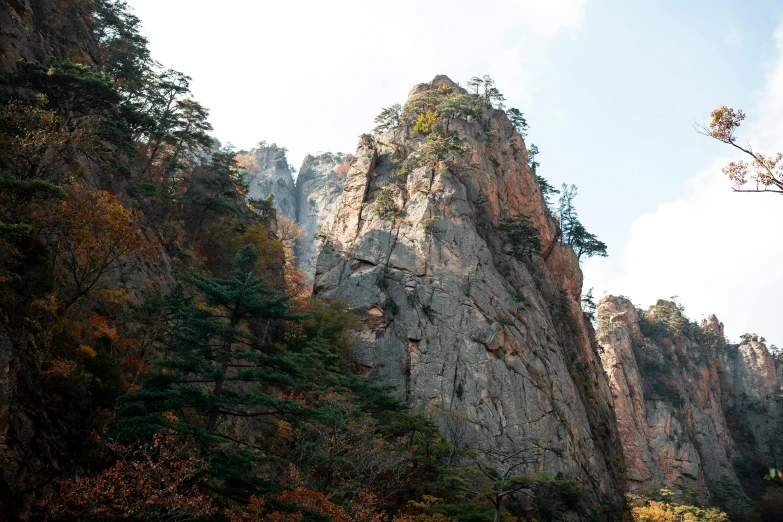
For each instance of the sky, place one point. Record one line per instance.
(611, 90)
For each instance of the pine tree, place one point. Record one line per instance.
(218, 372)
(574, 233)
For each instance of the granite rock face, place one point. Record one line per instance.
(36, 30)
(692, 410)
(310, 200)
(270, 173)
(461, 327)
(318, 189)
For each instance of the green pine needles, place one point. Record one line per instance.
(523, 237)
(217, 374)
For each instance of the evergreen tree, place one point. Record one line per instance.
(518, 121)
(523, 237)
(574, 232)
(217, 373)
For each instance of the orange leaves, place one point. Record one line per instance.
(219, 243)
(102, 327)
(98, 222)
(737, 171)
(314, 501)
(304, 499)
(93, 230)
(764, 171)
(342, 170)
(144, 483)
(247, 162)
(724, 122)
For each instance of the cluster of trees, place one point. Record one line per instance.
(670, 505)
(430, 114)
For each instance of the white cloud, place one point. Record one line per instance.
(559, 116)
(718, 250)
(311, 75)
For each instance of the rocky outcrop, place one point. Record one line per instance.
(310, 201)
(460, 326)
(36, 30)
(270, 173)
(691, 410)
(318, 189)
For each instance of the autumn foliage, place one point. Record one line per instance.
(92, 231)
(145, 483)
(763, 173)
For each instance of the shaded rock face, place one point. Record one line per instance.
(318, 189)
(310, 201)
(271, 174)
(42, 29)
(691, 410)
(460, 327)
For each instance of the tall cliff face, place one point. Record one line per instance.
(270, 173)
(456, 323)
(318, 190)
(310, 201)
(691, 410)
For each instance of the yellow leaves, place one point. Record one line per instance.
(426, 122)
(285, 431)
(102, 328)
(87, 350)
(169, 416)
(671, 507)
(653, 512)
(45, 305)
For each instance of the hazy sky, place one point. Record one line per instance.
(611, 90)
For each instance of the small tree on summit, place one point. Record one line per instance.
(574, 232)
(485, 90)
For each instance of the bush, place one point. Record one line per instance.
(367, 140)
(522, 236)
(426, 122)
(429, 224)
(545, 508)
(385, 206)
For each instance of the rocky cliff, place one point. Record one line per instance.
(43, 29)
(310, 200)
(692, 410)
(270, 173)
(461, 318)
(318, 189)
